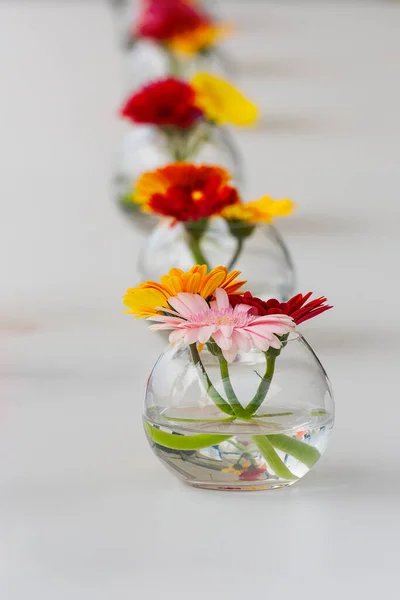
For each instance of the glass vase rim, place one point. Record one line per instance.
(239, 225)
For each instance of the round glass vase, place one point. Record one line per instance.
(196, 437)
(145, 148)
(263, 258)
(147, 61)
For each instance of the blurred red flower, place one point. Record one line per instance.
(297, 307)
(188, 192)
(168, 101)
(161, 20)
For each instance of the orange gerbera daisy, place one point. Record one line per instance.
(150, 296)
(186, 192)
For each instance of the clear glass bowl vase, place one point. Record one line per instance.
(264, 258)
(146, 148)
(206, 447)
(147, 61)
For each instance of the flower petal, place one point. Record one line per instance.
(221, 298)
(223, 342)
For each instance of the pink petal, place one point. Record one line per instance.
(191, 335)
(241, 308)
(226, 330)
(194, 302)
(259, 342)
(231, 354)
(205, 333)
(273, 325)
(279, 320)
(263, 330)
(161, 327)
(223, 342)
(241, 340)
(166, 319)
(221, 298)
(180, 307)
(167, 310)
(188, 305)
(177, 335)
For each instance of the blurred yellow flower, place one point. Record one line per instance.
(258, 211)
(197, 40)
(222, 102)
(143, 301)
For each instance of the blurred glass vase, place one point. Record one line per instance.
(205, 222)
(263, 255)
(175, 37)
(146, 61)
(146, 148)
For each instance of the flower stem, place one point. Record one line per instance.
(229, 391)
(207, 384)
(201, 139)
(174, 65)
(197, 253)
(183, 442)
(259, 397)
(178, 155)
(303, 452)
(238, 251)
(272, 458)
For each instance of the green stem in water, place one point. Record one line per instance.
(272, 458)
(183, 442)
(207, 384)
(238, 251)
(296, 448)
(181, 420)
(262, 390)
(229, 391)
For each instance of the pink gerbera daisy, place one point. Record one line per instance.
(194, 320)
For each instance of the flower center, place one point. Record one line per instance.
(197, 195)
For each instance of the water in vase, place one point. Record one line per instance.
(270, 451)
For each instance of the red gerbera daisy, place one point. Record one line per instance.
(297, 307)
(168, 101)
(163, 19)
(186, 192)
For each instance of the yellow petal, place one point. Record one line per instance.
(222, 102)
(143, 302)
(268, 208)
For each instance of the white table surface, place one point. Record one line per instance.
(86, 511)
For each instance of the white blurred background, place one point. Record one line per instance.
(86, 511)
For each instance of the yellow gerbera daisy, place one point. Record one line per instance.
(221, 102)
(199, 39)
(258, 211)
(144, 300)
